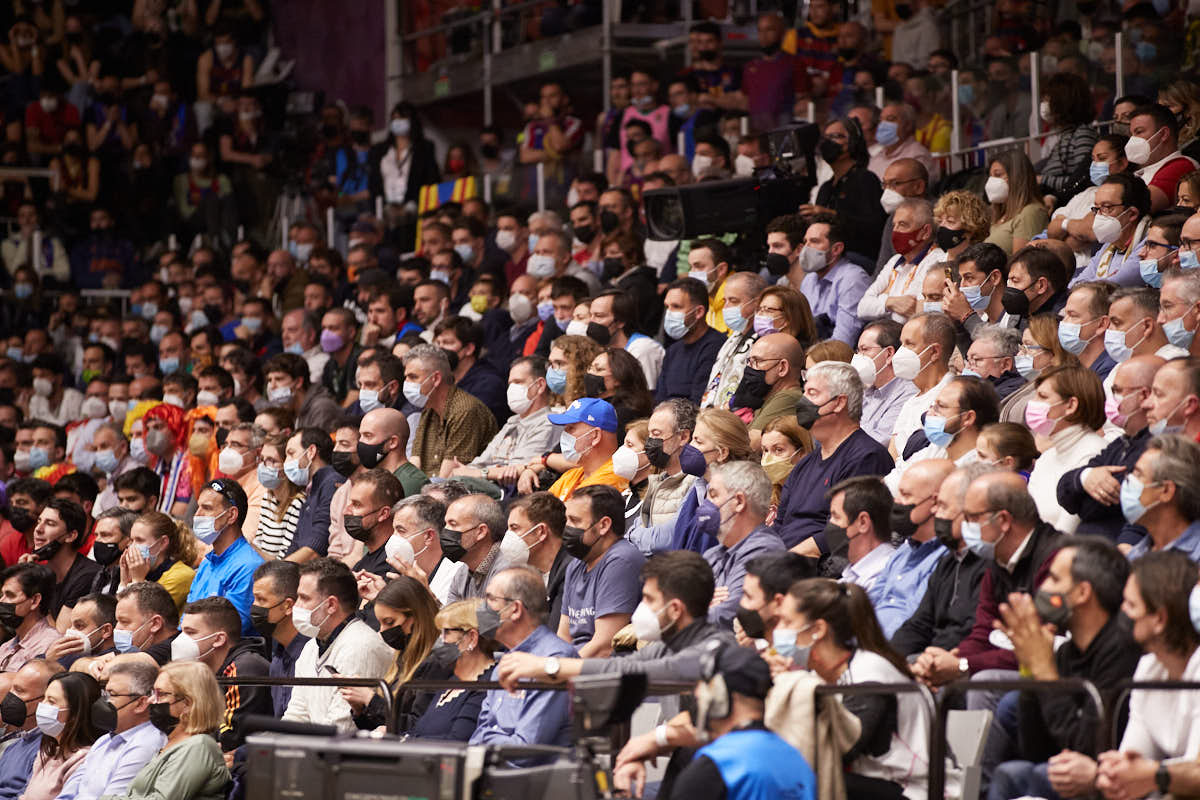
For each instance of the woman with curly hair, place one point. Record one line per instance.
(569, 360)
(962, 220)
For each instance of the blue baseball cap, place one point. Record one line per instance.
(590, 411)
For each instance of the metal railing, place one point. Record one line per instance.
(385, 691)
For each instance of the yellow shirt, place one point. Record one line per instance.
(716, 304)
(936, 135)
(177, 580)
(573, 479)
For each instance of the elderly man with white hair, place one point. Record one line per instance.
(896, 290)
(831, 408)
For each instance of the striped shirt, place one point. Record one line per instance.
(275, 536)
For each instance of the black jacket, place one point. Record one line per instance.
(947, 611)
(244, 661)
(1095, 517)
(411, 703)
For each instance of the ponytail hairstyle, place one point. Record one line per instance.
(181, 544)
(846, 610)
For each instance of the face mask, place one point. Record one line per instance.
(1106, 229)
(830, 150)
(520, 309)
(743, 166)
(625, 462)
(440, 275)
(73, 633)
(763, 324)
(395, 638)
(105, 553)
(161, 717)
(9, 616)
(1194, 606)
(1131, 499)
(1037, 417)
(399, 127)
(646, 624)
(356, 527)
(279, 395)
(205, 528)
(302, 619)
(751, 622)
(198, 164)
(972, 534)
(609, 221)
(452, 546)
(948, 238)
(675, 324)
(887, 133)
(13, 711)
(733, 319)
(890, 200)
(1188, 260)
(230, 461)
(577, 327)
(708, 518)
(752, 391)
(414, 395)
(933, 308)
(122, 639)
(1112, 410)
(655, 454)
(185, 648)
(1148, 267)
(907, 364)
(807, 412)
(47, 719)
(295, 473)
(568, 444)
(784, 642)
(700, 275)
(506, 239)
(556, 380)
(1138, 149)
(943, 529)
(1053, 609)
(906, 241)
(466, 252)
(574, 544)
(106, 461)
(38, 458)
(1068, 337)
(700, 164)
(48, 551)
(1177, 334)
(42, 387)
(1015, 301)
(996, 189)
(269, 477)
(540, 266)
(400, 548)
(1098, 172)
(260, 621)
(935, 430)
(864, 365)
(812, 260)
(331, 341)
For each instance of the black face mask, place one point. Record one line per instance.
(612, 268)
(830, 150)
(13, 711)
(9, 617)
(260, 622)
(21, 518)
(369, 455)
(835, 537)
(708, 55)
(770, 49)
(330, 131)
(104, 715)
(105, 553)
(573, 542)
(355, 528)
(48, 551)
(807, 412)
(222, 436)
(586, 233)
(489, 150)
(1015, 302)
(947, 238)
(901, 520)
(452, 547)
(904, 11)
(943, 529)
(162, 718)
(777, 264)
(343, 463)
(655, 454)
(214, 313)
(751, 622)
(593, 385)
(395, 638)
(753, 389)
(609, 221)
(846, 53)
(360, 137)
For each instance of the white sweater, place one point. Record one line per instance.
(1071, 448)
(1148, 710)
(357, 652)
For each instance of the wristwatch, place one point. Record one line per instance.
(1162, 779)
(551, 667)
(963, 666)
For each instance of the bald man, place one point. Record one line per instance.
(771, 382)
(382, 435)
(677, 167)
(898, 590)
(1093, 492)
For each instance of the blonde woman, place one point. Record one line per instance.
(720, 436)
(454, 714)
(962, 220)
(1017, 210)
(163, 551)
(281, 504)
(187, 705)
(1040, 350)
(1182, 97)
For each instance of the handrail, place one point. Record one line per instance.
(377, 683)
(937, 735)
(1125, 690)
(484, 15)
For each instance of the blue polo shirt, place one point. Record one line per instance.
(229, 575)
(1188, 542)
(16, 764)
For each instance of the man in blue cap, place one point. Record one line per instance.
(589, 439)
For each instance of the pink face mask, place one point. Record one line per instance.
(1112, 410)
(1037, 417)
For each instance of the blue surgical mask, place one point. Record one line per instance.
(38, 457)
(269, 477)
(414, 395)
(975, 297)
(545, 310)
(205, 528)
(1114, 343)
(295, 473)
(1148, 267)
(1098, 172)
(106, 461)
(368, 400)
(1188, 259)
(295, 348)
(1131, 499)
(252, 324)
(1176, 333)
(887, 133)
(675, 324)
(935, 430)
(466, 252)
(966, 94)
(682, 111)
(567, 444)
(168, 365)
(1068, 337)
(969, 373)
(14, 353)
(972, 533)
(733, 318)
(23, 291)
(1164, 425)
(556, 380)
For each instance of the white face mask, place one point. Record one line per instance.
(996, 189)
(743, 166)
(185, 648)
(230, 461)
(1106, 229)
(700, 164)
(302, 619)
(646, 624)
(513, 547)
(625, 462)
(890, 200)
(518, 398)
(399, 548)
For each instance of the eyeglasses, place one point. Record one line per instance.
(1107, 208)
(1030, 349)
(498, 598)
(1190, 244)
(754, 362)
(1160, 245)
(976, 361)
(158, 696)
(770, 312)
(894, 184)
(107, 695)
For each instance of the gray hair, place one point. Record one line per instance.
(550, 217)
(257, 434)
(525, 585)
(683, 411)
(1179, 462)
(115, 427)
(922, 209)
(564, 244)
(431, 357)
(141, 673)
(749, 478)
(1187, 283)
(906, 111)
(1005, 496)
(752, 281)
(842, 380)
(968, 474)
(490, 513)
(124, 517)
(429, 511)
(1143, 298)
(1007, 341)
